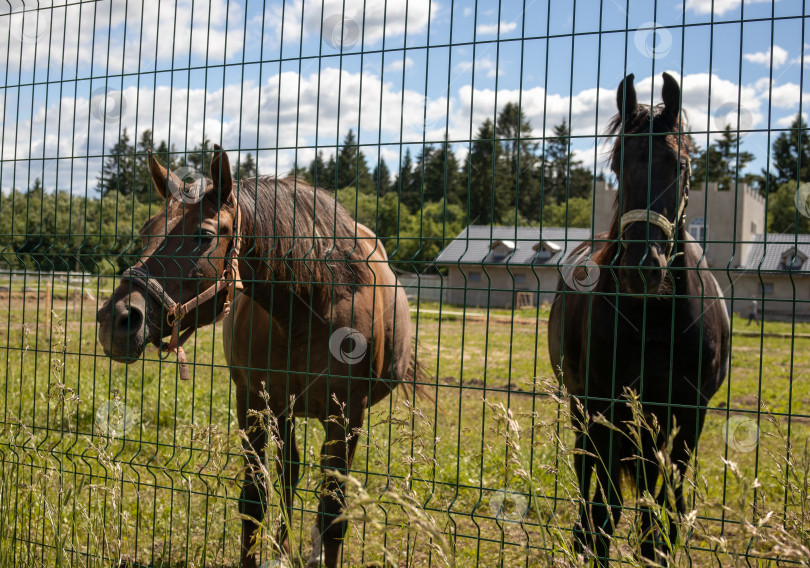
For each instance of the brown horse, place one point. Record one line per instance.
(656, 324)
(322, 324)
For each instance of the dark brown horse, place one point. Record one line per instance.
(655, 323)
(322, 324)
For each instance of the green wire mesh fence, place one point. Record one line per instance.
(421, 361)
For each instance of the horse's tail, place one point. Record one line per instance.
(417, 378)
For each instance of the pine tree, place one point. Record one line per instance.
(791, 155)
(329, 174)
(563, 176)
(316, 171)
(117, 170)
(142, 182)
(722, 162)
(520, 155)
(246, 169)
(300, 173)
(381, 177)
(442, 176)
(489, 195)
(35, 189)
(783, 216)
(405, 179)
(352, 170)
(199, 158)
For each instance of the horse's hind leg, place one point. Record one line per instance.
(337, 453)
(288, 474)
(648, 471)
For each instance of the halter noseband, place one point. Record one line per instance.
(139, 275)
(669, 228)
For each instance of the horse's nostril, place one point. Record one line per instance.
(130, 321)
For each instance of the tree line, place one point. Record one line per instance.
(508, 177)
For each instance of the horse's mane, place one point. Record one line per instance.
(301, 235)
(676, 135)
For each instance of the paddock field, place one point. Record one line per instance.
(125, 465)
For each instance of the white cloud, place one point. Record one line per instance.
(787, 121)
(397, 64)
(764, 57)
(287, 111)
(56, 35)
(482, 65)
(720, 6)
(785, 96)
(347, 23)
(492, 29)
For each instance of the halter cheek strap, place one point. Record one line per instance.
(175, 312)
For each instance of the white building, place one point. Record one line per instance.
(505, 266)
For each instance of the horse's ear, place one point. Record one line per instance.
(671, 93)
(626, 97)
(221, 173)
(160, 176)
(166, 182)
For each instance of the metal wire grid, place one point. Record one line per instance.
(139, 484)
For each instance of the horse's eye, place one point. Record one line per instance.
(203, 240)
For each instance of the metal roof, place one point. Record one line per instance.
(474, 245)
(770, 252)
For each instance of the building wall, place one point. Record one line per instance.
(732, 219)
(780, 297)
(604, 197)
(498, 291)
(496, 287)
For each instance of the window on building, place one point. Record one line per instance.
(475, 277)
(793, 259)
(545, 250)
(753, 228)
(520, 278)
(697, 228)
(766, 289)
(500, 250)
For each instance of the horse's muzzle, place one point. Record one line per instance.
(644, 274)
(122, 327)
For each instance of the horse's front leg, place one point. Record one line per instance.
(288, 469)
(337, 454)
(583, 464)
(254, 494)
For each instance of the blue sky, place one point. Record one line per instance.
(250, 76)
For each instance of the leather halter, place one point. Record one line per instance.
(139, 275)
(669, 228)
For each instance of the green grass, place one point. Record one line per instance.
(102, 462)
